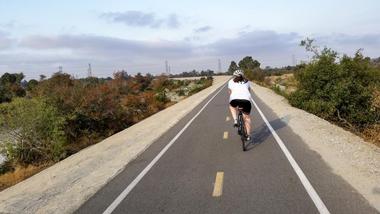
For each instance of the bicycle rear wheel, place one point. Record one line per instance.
(243, 135)
(240, 124)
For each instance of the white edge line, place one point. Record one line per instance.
(129, 188)
(305, 182)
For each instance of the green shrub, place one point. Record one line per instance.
(278, 90)
(195, 90)
(256, 74)
(161, 96)
(338, 89)
(11, 86)
(6, 167)
(34, 131)
(181, 92)
(200, 85)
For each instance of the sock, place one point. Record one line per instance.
(235, 121)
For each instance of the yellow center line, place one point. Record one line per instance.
(218, 185)
(227, 118)
(225, 135)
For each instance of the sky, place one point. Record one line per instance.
(37, 37)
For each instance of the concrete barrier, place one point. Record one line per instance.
(65, 186)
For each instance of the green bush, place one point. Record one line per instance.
(11, 86)
(251, 68)
(6, 167)
(256, 74)
(278, 90)
(195, 90)
(338, 89)
(181, 92)
(200, 85)
(161, 96)
(33, 131)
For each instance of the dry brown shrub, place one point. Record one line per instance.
(372, 134)
(19, 174)
(376, 100)
(267, 81)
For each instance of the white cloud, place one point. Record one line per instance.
(202, 29)
(108, 46)
(349, 44)
(39, 53)
(142, 19)
(5, 41)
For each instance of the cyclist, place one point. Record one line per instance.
(239, 90)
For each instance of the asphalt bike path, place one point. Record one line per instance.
(206, 171)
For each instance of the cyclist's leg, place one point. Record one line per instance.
(233, 110)
(246, 115)
(247, 123)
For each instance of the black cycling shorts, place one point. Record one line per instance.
(244, 104)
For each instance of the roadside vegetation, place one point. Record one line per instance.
(194, 73)
(341, 89)
(44, 121)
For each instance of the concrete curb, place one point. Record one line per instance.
(65, 186)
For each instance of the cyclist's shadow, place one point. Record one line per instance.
(259, 135)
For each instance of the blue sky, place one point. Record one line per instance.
(36, 37)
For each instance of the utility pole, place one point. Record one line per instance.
(219, 66)
(166, 67)
(89, 70)
(294, 61)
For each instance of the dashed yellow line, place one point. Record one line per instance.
(218, 185)
(225, 135)
(228, 118)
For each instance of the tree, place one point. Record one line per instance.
(142, 82)
(308, 44)
(247, 63)
(208, 72)
(8, 78)
(42, 77)
(121, 75)
(251, 68)
(31, 84)
(233, 67)
(59, 90)
(11, 86)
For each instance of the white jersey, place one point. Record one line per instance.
(239, 90)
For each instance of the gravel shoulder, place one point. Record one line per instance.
(65, 186)
(350, 157)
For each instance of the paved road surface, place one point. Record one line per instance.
(260, 180)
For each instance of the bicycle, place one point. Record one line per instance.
(242, 131)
